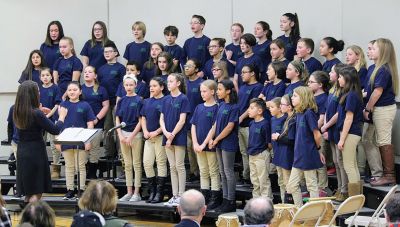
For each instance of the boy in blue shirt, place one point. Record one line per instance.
(139, 49)
(196, 47)
(259, 156)
(176, 51)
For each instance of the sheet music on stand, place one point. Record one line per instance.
(76, 136)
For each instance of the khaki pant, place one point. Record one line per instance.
(133, 158)
(322, 172)
(259, 174)
(55, 153)
(293, 185)
(383, 120)
(176, 159)
(283, 179)
(350, 158)
(340, 173)
(209, 172)
(153, 151)
(243, 144)
(371, 150)
(194, 167)
(72, 165)
(361, 157)
(94, 153)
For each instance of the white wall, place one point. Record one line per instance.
(24, 22)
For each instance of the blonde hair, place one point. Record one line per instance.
(99, 196)
(71, 42)
(387, 56)
(96, 82)
(361, 63)
(140, 26)
(210, 84)
(224, 67)
(130, 77)
(307, 100)
(300, 68)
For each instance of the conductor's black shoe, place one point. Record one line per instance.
(70, 195)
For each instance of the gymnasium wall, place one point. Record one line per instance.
(23, 25)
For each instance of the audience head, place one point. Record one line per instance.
(258, 211)
(100, 196)
(38, 214)
(392, 209)
(192, 205)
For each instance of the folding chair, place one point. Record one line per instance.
(310, 211)
(352, 204)
(375, 219)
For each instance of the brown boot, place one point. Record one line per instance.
(55, 171)
(342, 197)
(354, 188)
(388, 178)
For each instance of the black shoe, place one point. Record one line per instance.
(11, 159)
(206, 194)
(122, 176)
(70, 195)
(288, 198)
(92, 170)
(159, 197)
(221, 206)
(229, 207)
(152, 186)
(192, 177)
(215, 200)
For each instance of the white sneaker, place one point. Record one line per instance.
(135, 198)
(173, 202)
(126, 198)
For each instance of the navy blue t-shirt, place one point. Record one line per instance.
(151, 110)
(35, 77)
(204, 118)
(321, 102)
(207, 69)
(138, 52)
(246, 93)
(271, 90)
(128, 111)
(227, 113)
(50, 54)
(95, 100)
(383, 79)
(110, 76)
(193, 94)
(264, 52)
(172, 109)
(176, 52)
(10, 119)
(353, 103)
(142, 89)
(312, 65)
(259, 136)
(252, 60)
(331, 109)
(327, 66)
(196, 48)
(362, 74)
(236, 51)
(306, 154)
(290, 88)
(95, 54)
(290, 47)
(65, 68)
(79, 114)
(148, 73)
(49, 97)
(276, 127)
(284, 153)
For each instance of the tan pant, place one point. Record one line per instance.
(133, 158)
(94, 153)
(72, 165)
(283, 179)
(293, 185)
(350, 158)
(383, 120)
(259, 174)
(194, 167)
(371, 150)
(322, 172)
(340, 173)
(243, 144)
(176, 160)
(153, 151)
(361, 157)
(55, 153)
(209, 172)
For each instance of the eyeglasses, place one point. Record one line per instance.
(213, 46)
(312, 82)
(216, 69)
(97, 29)
(188, 66)
(284, 104)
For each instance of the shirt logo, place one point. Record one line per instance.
(257, 130)
(176, 105)
(113, 72)
(79, 110)
(133, 104)
(302, 124)
(94, 93)
(210, 114)
(50, 94)
(200, 47)
(248, 92)
(142, 50)
(68, 66)
(195, 90)
(158, 107)
(225, 111)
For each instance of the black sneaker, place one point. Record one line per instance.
(122, 175)
(70, 195)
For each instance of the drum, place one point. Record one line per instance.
(283, 214)
(228, 220)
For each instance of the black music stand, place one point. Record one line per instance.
(77, 137)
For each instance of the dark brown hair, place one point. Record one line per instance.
(26, 101)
